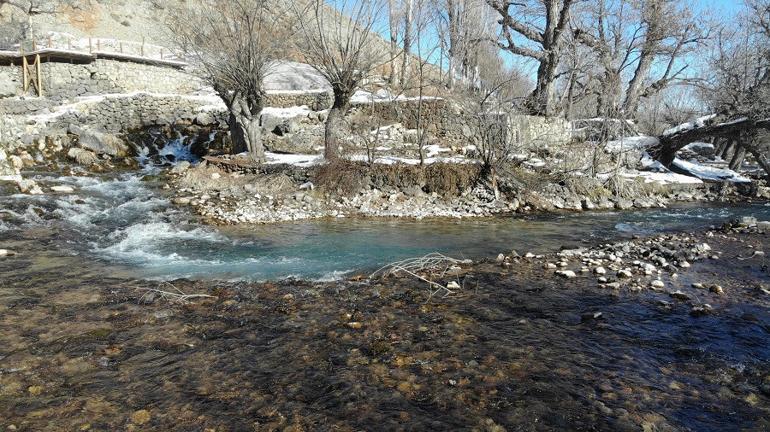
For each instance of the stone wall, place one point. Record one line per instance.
(114, 113)
(65, 81)
(317, 101)
(102, 76)
(448, 122)
(537, 131)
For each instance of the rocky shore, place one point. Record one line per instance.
(288, 193)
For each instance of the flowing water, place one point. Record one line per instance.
(124, 220)
(82, 348)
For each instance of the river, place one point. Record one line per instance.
(83, 348)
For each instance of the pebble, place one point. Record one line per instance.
(500, 258)
(716, 289)
(453, 285)
(698, 285)
(701, 310)
(590, 316)
(550, 266)
(355, 325)
(679, 295)
(6, 253)
(600, 271)
(625, 274)
(567, 274)
(658, 284)
(140, 417)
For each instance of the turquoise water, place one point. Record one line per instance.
(126, 221)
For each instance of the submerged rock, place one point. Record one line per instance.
(29, 187)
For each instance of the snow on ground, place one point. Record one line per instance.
(306, 160)
(698, 146)
(700, 122)
(290, 112)
(631, 143)
(293, 76)
(300, 160)
(209, 102)
(435, 150)
(383, 95)
(705, 172)
(663, 177)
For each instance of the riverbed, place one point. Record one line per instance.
(86, 345)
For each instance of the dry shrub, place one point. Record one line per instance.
(347, 178)
(590, 187)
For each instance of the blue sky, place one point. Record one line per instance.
(717, 6)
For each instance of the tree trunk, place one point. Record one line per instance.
(407, 39)
(760, 158)
(720, 145)
(246, 134)
(726, 149)
(634, 91)
(393, 23)
(737, 160)
(334, 130)
(542, 101)
(454, 41)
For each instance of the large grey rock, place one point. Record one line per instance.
(102, 143)
(82, 156)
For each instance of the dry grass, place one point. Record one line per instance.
(346, 177)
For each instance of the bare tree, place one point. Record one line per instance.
(535, 29)
(465, 29)
(342, 46)
(234, 45)
(670, 33)
(394, 29)
(490, 109)
(631, 36)
(408, 29)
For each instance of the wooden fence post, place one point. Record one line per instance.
(38, 76)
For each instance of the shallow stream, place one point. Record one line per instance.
(126, 221)
(83, 348)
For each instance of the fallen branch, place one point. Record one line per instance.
(433, 265)
(175, 295)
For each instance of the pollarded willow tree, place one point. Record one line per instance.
(343, 46)
(233, 45)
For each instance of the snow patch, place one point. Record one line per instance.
(699, 122)
(704, 172)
